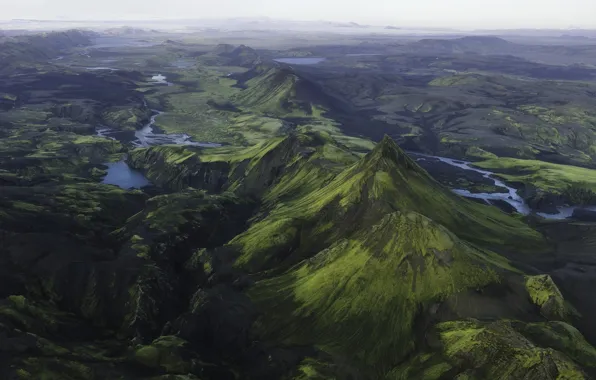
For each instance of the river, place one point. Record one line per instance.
(147, 136)
(119, 173)
(511, 196)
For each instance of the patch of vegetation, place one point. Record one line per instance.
(576, 184)
(545, 294)
(498, 349)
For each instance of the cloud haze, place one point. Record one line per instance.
(452, 13)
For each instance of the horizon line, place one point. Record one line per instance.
(361, 24)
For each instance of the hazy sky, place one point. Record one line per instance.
(458, 13)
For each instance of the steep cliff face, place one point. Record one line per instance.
(176, 168)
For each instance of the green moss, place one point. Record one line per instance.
(33, 316)
(56, 369)
(148, 356)
(125, 118)
(389, 180)
(27, 207)
(423, 367)
(562, 115)
(476, 152)
(20, 302)
(272, 92)
(563, 337)
(455, 80)
(164, 353)
(364, 292)
(545, 294)
(496, 348)
(545, 176)
(200, 259)
(311, 369)
(22, 374)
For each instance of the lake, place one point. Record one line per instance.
(362, 54)
(121, 175)
(300, 61)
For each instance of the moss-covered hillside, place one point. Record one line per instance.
(299, 259)
(291, 252)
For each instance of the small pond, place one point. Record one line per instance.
(121, 175)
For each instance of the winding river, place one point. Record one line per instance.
(119, 173)
(147, 136)
(511, 196)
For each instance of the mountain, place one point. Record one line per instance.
(127, 31)
(46, 44)
(231, 55)
(474, 44)
(279, 89)
(362, 265)
(295, 253)
(295, 258)
(243, 56)
(40, 47)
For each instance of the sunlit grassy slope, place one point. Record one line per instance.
(543, 175)
(354, 255)
(386, 180)
(350, 262)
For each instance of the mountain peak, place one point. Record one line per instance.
(388, 144)
(388, 150)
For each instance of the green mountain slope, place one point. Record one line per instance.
(279, 90)
(38, 47)
(354, 265)
(292, 259)
(361, 295)
(384, 181)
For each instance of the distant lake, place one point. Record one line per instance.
(101, 68)
(361, 54)
(300, 61)
(121, 175)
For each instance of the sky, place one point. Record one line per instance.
(428, 13)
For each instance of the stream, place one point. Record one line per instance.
(511, 196)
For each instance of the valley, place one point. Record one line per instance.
(202, 205)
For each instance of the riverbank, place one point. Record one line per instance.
(510, 195)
